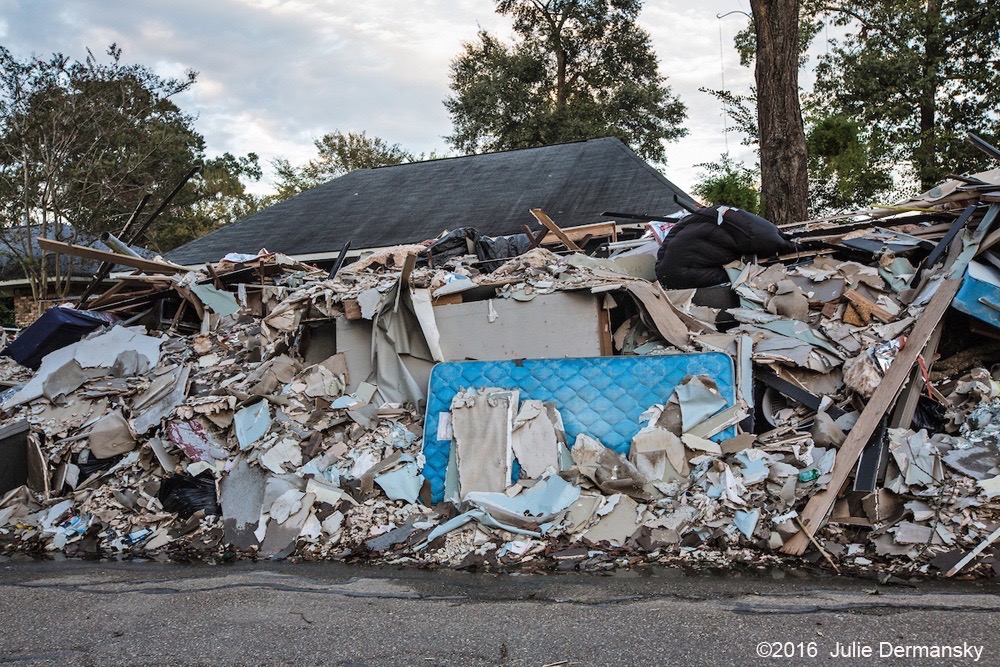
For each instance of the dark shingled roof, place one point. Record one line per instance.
(493, 192)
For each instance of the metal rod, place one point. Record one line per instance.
(159, 209)
(117, 245)
(341, 258)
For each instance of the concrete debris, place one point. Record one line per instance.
(278, 412)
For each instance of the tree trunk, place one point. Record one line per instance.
(783, 168)
(561, 93)
(926, 158)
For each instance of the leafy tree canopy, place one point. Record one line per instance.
(337, 154)
(730, 183)
(216, 196)
(841, 176)
(915, 76)
(577, 69)
(80, 142)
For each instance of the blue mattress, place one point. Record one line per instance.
(601, 397)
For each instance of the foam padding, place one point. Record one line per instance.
(601, 396)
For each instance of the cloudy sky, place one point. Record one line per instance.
(276, 74)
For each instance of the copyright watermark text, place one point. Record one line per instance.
(853, 650)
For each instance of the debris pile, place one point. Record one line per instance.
(263, 408)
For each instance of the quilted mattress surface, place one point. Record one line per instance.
(602, 397)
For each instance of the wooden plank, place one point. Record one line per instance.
(604, 329)
(103, 298)
(906, 407)
(214, 276)
(660, 310)
(867, 308)
(972, 554)
(819, 505)
(147, 265)
(535, 238)
(550, 224)
(445, 300)
(991, 240)
(579, 233)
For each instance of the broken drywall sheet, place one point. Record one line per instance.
(397, 336)
(67, 379)
(197, 440)
(370, 301)
(241, 495)
(516, 329)
(918, 459)
(284, 455)
(481, 422)
(538, 505)
(424, 310)
(978, 461)
(220, 302)
(101, 351)
(166, 460)
(659, 454)
(160, 399)
(699, 399)
(534, 440)
(403, 483)
(252, 423)
(110, 436)
(279, 540)
(618, 524)
(746, 522)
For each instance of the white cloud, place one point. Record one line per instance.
(275, 74)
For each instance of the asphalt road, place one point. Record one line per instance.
(149, 614)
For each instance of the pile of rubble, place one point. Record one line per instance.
(248, 431)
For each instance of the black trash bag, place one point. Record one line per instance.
(94, 465)
(456, 243)
(468, 241)
(929, 415)
(185, 495)
(501, 248)
(697, 247)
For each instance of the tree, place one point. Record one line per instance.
(338, 154)
(215, 197)
(729, 183)
(915, 76)
(578, 69)
(783, 158)
(80, 142)
(841, 174)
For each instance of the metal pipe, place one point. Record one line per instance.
(117, 245)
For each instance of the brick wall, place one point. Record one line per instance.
(26, 310)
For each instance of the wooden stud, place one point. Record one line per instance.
(550, 224)
(819, 505)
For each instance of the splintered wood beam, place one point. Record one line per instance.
(535, 239)
(147, 265)
(818, 507)
(868, 308)
(550, 225)
(581, 233)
